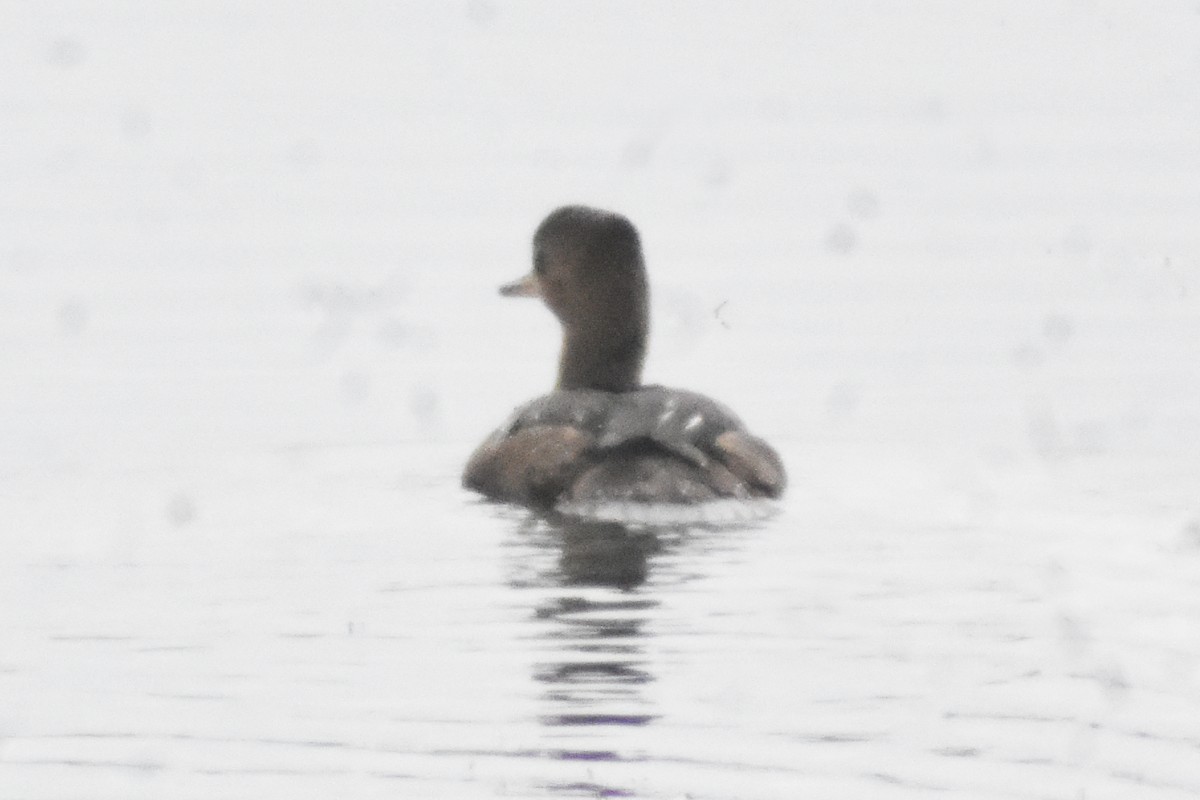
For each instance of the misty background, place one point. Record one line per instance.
(945, 256)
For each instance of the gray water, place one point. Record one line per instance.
(944, 257)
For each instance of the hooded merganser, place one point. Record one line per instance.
(601, 436)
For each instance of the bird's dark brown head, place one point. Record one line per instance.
(588, 268)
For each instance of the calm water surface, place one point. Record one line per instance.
(328, 628)
(945, 258)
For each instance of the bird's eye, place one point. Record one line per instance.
(539, 263)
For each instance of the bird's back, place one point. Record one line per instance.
(651, 445)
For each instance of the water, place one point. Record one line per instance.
(323, 627)
(945, 261)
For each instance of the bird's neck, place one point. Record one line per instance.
(609, 360)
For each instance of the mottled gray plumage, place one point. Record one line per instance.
(602, 436)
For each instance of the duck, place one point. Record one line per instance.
(601, 436)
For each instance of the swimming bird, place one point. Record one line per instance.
(601, 436)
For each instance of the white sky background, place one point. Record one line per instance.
(231, 224)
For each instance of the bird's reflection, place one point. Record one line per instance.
(594, 620)
(602, 553)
